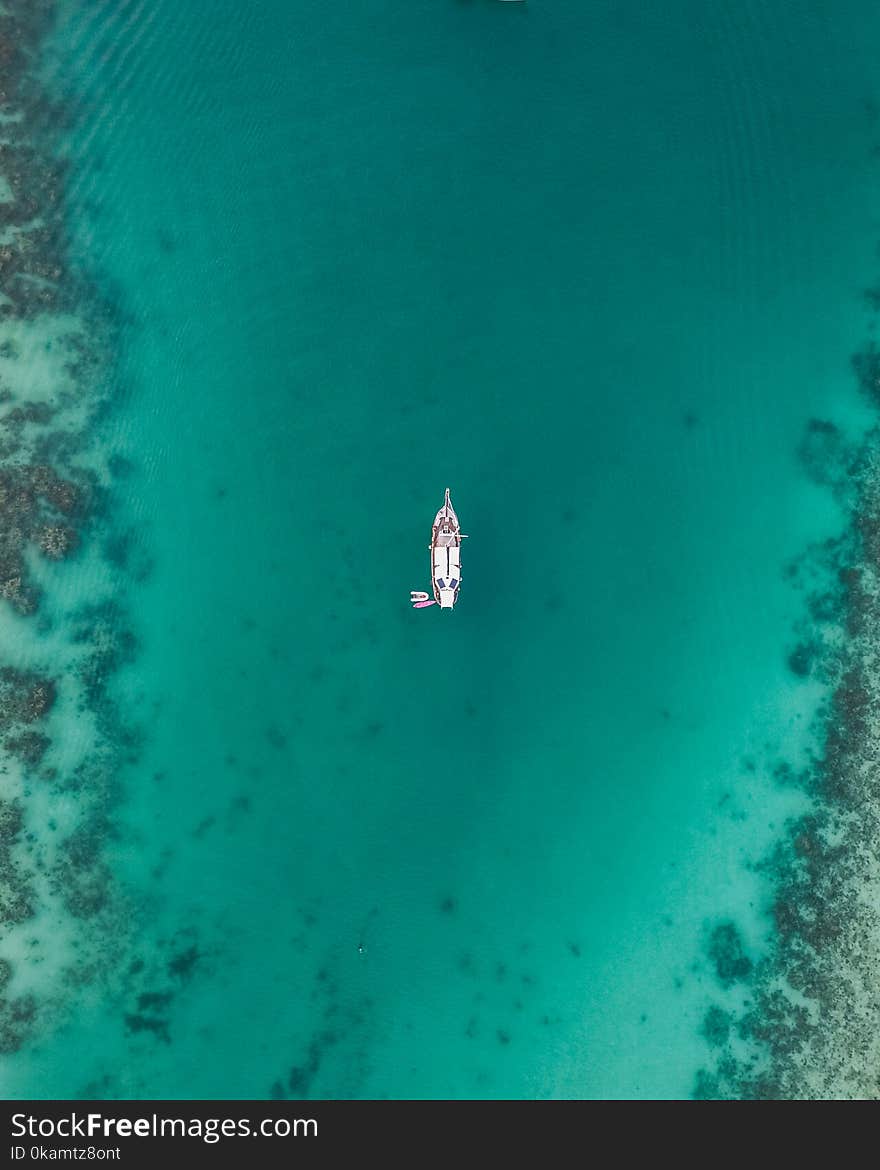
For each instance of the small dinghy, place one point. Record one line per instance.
(445, 549)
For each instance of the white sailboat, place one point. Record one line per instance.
(445, 549)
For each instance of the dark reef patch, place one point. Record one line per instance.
(28, 746)
(866, 365)
(17, 896)
(801, 659)
(18, 1018)
(182, 965)
(158, 1027)
(152, 1001)
(276, 738)
(111, 644)
(727, 954)
(824, 454)
(716, 1026)
(330, 1056)
(80, 877)
(24, 698)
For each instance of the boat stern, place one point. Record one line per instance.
(447, 598)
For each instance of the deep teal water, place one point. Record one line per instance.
(592, 266)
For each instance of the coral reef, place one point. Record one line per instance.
(16, 889)
(810, 1024)
(55, 484)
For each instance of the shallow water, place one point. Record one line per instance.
(595, 270)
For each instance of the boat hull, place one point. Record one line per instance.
(445, 551)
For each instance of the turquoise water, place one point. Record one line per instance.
(594, 268)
